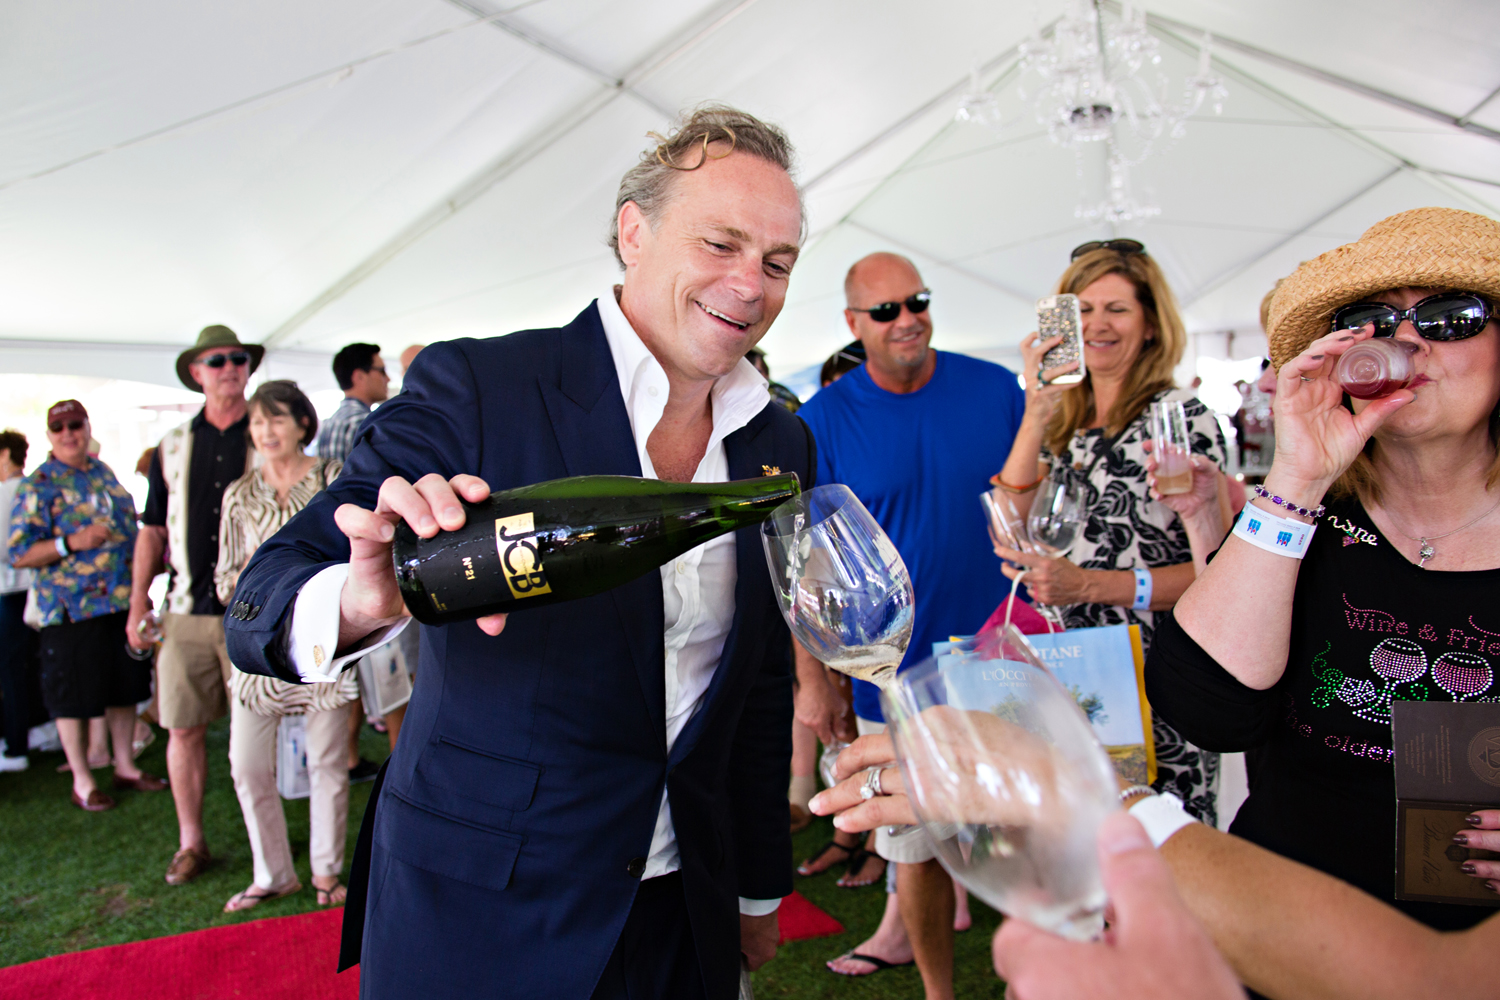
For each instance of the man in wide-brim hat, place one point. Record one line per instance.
(189, 473)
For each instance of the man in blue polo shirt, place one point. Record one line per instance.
(916, 434)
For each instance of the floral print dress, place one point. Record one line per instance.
(1125, 528)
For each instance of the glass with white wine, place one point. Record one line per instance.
(841, 584)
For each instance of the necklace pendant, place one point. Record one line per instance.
(1426, 552)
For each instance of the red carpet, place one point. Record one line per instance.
(280, 958)
(800, 920)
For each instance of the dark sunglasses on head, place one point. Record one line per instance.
(238, 358)
(887, 311)
(72, 425)
(1118, 246)
(1445, 316)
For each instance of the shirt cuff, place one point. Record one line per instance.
(758, 907)
(311, 634)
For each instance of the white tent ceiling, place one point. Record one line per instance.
(313, 173)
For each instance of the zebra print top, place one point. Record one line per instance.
(251, 514)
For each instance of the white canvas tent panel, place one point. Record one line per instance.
(318, 173)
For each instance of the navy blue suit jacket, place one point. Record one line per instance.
(531, 765)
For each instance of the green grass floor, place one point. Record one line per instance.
(71, 880)
(798, 970)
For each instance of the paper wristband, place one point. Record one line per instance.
(62, 546)
(1274, 534)
(1142, 589)
(1162, 815)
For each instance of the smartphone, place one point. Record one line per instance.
(1058, 315)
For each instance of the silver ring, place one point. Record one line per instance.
(871, 787)
(1306, 379)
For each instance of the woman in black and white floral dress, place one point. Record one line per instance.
(1132, 558)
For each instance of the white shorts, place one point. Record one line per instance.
(910, 846)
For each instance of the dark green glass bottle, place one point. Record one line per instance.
(569, 538)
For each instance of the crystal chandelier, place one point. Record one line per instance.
(1100, 81)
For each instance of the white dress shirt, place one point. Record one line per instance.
(697, 587)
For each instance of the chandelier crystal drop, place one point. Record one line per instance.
(1099, 79)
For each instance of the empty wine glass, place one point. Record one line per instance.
(840, 582)
(1008, 779)
(1053, 526)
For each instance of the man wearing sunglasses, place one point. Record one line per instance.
(914, 433)
(194, 464)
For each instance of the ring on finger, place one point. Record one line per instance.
(1306, 379)
(871, 787)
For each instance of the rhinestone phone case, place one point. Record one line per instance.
(1058, 315)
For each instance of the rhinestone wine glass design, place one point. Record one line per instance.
(1462, 675)
(1399, 661)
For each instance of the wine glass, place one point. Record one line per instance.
(841, 584)
(1053, 525)
(1008, 779)
(842, 588)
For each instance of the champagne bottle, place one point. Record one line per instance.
(569, 538)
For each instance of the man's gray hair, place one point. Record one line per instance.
(686, 147)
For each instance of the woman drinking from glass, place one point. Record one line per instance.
(282, 422)
(1388, 593)
(1131, 558)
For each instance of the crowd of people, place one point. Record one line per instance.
(598, 784)
(83, 644)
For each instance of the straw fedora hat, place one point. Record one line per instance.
(210, 337)
(1422, 248)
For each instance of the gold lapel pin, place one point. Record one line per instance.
(770, 470)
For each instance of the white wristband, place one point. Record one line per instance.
(62, 546)
(1274, 534)
(1143, 584)
(1162, 815)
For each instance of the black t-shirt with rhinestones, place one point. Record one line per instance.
(1368, 628)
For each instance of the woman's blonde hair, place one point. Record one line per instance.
(1152, 371)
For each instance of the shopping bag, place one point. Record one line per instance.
(291, 758)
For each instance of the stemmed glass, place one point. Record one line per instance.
(1053, 525)
(841, 584)
(1008, 779)
(842, 587)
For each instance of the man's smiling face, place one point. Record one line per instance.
(704, 284)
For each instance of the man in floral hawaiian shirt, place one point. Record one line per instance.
(75, 525)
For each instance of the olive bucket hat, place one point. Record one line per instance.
(211, 337)
(1420, 248)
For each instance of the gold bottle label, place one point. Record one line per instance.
(519, 558)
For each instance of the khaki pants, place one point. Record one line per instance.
(252, 763)
(192, 671)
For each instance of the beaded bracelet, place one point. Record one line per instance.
(1265, 494)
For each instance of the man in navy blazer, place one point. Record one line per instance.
(591, 802)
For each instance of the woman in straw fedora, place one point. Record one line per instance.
(1310, 623)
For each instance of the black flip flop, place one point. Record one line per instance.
(849, 853)
(880, 964)
(856, 862)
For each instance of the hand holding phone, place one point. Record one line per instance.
(1059, 316)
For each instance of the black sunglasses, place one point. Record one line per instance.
(1118, 246)
(72, 425)
(218, 360)
(1445, 316)
(887, 311)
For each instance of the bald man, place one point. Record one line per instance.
(916, 434)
